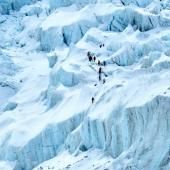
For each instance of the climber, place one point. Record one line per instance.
(104, 63)
(98, 63)
(122, 3)
(88, 53)
(100, 77)
(90, 58)
(100, 45)
(100, 70)
(104, 81)
(94, 58)
(92, 100)
(103, 45)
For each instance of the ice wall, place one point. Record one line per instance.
(7, 5)
(58, 33)
(140, 3)
(45, 145)
(138, 129)
(82, 3)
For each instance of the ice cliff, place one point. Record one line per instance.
(47, 118)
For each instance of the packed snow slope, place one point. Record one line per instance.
(48, 119)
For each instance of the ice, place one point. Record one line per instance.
(51, 38)
(52, 59)
(7, 5)
(59, 3)
(66, 78)
(34, 10)
(47, 116)
(58, 32)
(7, 65)
(7, 86)
(141, 3)
(10, 106)
(73, 28)
(6, 92)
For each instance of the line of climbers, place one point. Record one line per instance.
(92, 58)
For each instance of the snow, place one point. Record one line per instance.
(6, 165)
(56, 32)
(47, 118)
(87, 160)
(5, 93)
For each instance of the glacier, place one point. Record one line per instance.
(7, 5)
(47, 118)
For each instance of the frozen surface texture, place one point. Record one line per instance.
(48, 119)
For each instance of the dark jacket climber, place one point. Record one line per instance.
(104, 63)
(98, 63)
(100, 77)
(88, 54)
(104, 81)
(100, 45)
(100, 70)
(90, 58)
(122, 2)
(94, 58)
(92, 99)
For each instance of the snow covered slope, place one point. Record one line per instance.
(47, 117)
